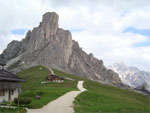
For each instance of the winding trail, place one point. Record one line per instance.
(50, 70)
(63, 104)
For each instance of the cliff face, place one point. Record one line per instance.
(52, 46)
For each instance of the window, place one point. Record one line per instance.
(2, 93)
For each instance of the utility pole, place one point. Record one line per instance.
(18, 99)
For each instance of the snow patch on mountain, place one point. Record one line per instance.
(131, 76)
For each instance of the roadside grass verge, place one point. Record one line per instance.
(8, 110)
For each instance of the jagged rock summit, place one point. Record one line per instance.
(131, 76)
(52, 46)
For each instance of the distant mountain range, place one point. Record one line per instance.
(132, 76)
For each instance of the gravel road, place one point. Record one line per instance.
(63, 104)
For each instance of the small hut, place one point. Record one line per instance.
(54, 78)
(9, 85)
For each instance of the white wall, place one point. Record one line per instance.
(6, 96)
(15, 95)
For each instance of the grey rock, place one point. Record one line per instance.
(50, 24)
(131, 76)
(52, 46)
(12, 51)
(144, 88)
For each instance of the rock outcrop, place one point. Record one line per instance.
(52, 46)
(144, 88)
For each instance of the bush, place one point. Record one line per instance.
(22, 100)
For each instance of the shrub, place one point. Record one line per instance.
(22, 100)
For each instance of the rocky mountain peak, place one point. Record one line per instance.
(50, 23)
(50, 17)
(53, 47)
(131, 76)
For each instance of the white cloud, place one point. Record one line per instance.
(118, 47)
(99, 24)
(5, 39)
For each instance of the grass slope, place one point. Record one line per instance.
(98, 99)
(107, 99)
(33, 86)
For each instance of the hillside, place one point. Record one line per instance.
(33, 87)
(50, 91)
(107, 99)
(99, 98)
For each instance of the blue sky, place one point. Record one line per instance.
(142, 44)
(18, 31)
(144, 32)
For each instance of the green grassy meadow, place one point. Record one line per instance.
(108, 99)
(50, 91)
(98, 99)
(33, 87)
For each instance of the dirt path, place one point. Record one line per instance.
(63, 104)
(50, 70)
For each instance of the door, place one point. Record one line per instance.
(9, 95)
